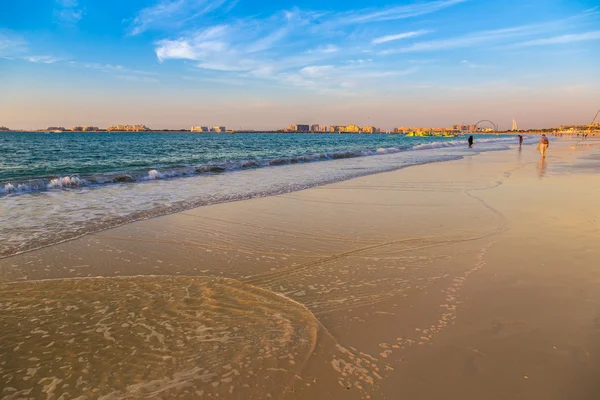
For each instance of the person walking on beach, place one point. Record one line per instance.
(470, 140)
(543, 145)
(520, 140)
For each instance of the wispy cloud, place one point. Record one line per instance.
(67, 12)
(14, 47)
(116, 70)
(472, 39)
(341, 79)
(470, 64)
(330, 48)
(172, 13)
(395, 12)
(136, 78)
(562, 39)
(405, 35)
(42, 59)
(277, 49)
(11, 44)
(243, 45)
(327, 49)
(269, 41)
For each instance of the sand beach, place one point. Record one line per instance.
(473, 279)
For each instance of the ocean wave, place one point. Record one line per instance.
(66, 182)
(76, 181)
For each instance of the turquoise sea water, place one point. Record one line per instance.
(37, 158)
(54, 187)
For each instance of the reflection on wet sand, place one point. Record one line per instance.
(542, 167)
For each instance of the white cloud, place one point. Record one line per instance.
(112, 69)
(268, 41)
(341, 79)
(327, 49)
(470, 64)
(171, 13)
(249, 45)
(471, 39)
(11, 44)
(273, 50)
(14, 47)
(136, 78)
(330, 48)
(317, 70)
(66, 12)
(267, 46)
(281, 48)
(395, 12)
(189, 49)
(576, 37)
(405, 35)
(42, 59)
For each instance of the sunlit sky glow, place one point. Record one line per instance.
(257, 65)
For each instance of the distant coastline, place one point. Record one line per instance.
(563, 130)
(530, 132)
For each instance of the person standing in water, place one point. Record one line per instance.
(543, 145)
(470, 140)
(520, 140)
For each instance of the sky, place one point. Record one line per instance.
(250, 64)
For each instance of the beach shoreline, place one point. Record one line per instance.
(468, 279)
(36, 215)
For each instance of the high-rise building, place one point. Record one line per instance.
(370, 129)
(352, 129)
(298, 128)
(315, 128)
(515, 126)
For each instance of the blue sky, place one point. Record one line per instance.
(251, 64)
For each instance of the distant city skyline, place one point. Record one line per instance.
(253, 65)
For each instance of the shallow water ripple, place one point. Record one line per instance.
(149, 337)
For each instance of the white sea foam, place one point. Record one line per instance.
(9, 188)
(154, 174)
(66, 182)
(18, 188)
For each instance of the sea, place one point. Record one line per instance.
(58, 186)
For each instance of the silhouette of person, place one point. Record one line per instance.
(470, 140)
(520, 140)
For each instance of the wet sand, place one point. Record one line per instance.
(470, 279)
